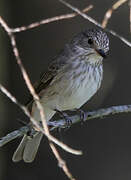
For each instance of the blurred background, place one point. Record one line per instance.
(106, 142)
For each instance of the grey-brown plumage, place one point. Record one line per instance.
(71, 80)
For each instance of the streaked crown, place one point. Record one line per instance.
(93, 38)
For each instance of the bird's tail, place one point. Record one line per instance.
(27, 149)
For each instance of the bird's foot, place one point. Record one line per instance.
(82, 115)
(31, 132)
(66, 117)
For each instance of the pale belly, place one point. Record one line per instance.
(69, 95)
(66, 100)
(74, 94)
(78, 97)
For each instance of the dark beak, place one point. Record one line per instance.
(101, 52)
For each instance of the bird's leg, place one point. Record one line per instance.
(31, 131)
(64, 116)
(82, 114)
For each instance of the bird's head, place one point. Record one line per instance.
(94, 42)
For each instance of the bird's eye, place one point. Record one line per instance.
(90, 41)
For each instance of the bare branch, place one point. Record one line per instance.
(25, 129)
(25, 110)
(37, 101)
(5, 26)
(58, 124)
(85, 16)
(61, 123)
(108, 14)
(25, 75)
(13, 135)
(81, 13)
(49, 20)
(100, 113)
(61, 163)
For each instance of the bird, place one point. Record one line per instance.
(70, 81)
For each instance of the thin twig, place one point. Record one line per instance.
(13, 135)
(25, 129)
(61, 123)
(25, 75)
(25, 110)
(109, 12)
(35, 96)
(80, 13)
(62, 163)
(49, 20)
(85, 16)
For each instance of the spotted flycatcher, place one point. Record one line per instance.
(71, 80)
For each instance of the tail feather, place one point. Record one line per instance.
(31, 148)
(18, 154)
(28, 148)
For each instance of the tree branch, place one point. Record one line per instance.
(44, 129)
(49, 20)
(35, 123)
(85, 16)
(61, 123)
(109, 12)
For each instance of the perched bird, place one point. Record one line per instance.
(72, 78)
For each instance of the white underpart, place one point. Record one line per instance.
(67, 92)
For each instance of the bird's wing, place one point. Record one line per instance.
(45, 80)
(57, 64)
